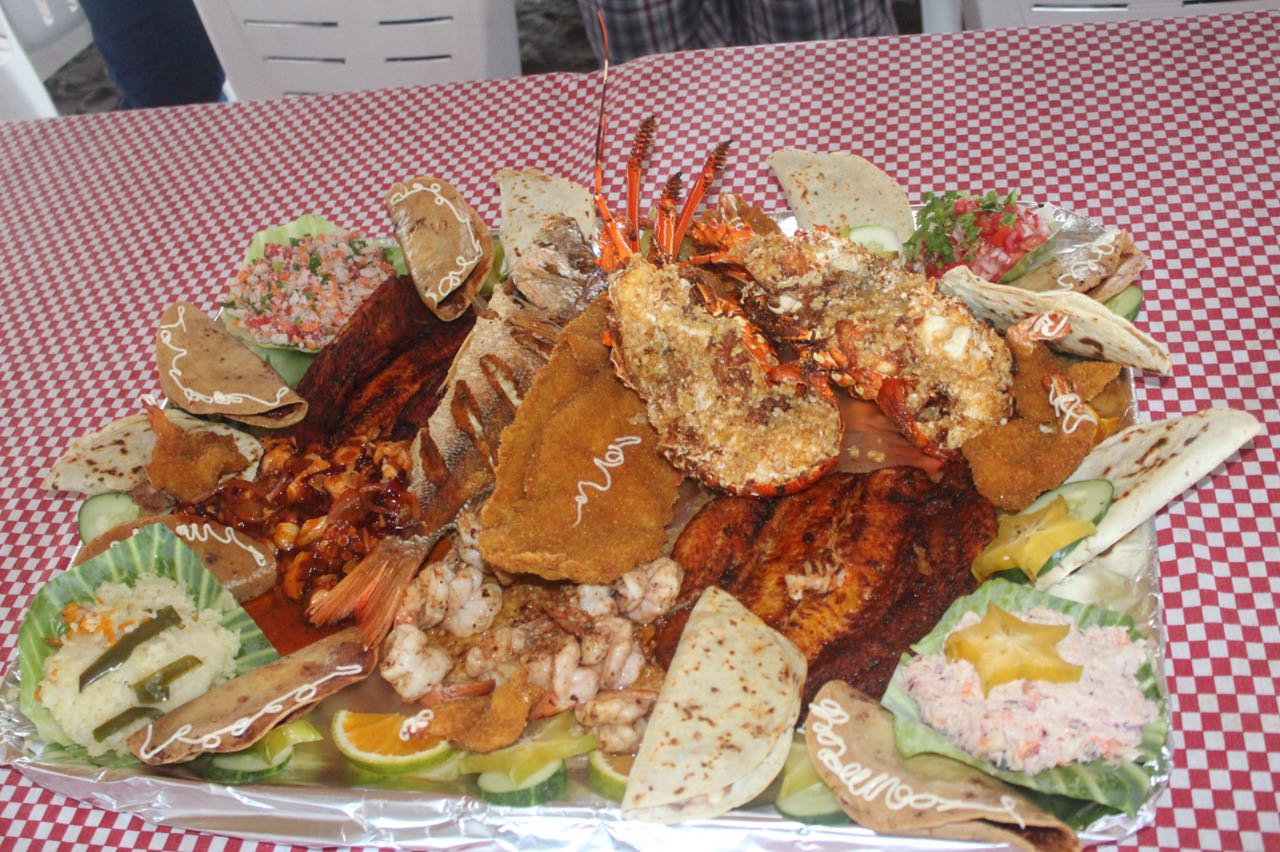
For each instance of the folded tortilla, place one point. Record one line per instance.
(1100, 269)
(1149, 465)
(447, 246)
(1096, 331)
(204, 369)
(721, 729)
(850, 739)
(840, 191)
(528, 198)
(115, 458)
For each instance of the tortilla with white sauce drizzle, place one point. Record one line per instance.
(1096, 332)
(850, 739)
(204, 369)
(721, 728)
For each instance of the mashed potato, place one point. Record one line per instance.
(92, 629)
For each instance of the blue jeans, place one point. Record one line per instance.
(156, 51)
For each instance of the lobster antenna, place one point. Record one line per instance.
(604, 88)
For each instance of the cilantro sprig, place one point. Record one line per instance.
(945, 235)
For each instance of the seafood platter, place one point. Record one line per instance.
(627, 519)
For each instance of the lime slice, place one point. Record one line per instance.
(607, 774)
(286, 737)
(372, 742)
(804, 796)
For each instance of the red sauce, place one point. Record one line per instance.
(285, 622)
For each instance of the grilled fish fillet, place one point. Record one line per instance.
(875, 558)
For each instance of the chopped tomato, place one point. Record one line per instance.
(990, 234)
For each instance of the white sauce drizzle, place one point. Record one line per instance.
(613, 457)
(1046, 328)
(455, 277)
(1070, 409)
(860, 782)
(192, 395)
(206, 531)
(416, 724)
(304, 694)
(1082, 267)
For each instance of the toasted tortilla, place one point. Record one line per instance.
(446, 244)
(851, 744)
(243, 565)
(238, 713)
(721, 728)
(1149, 465)
(528, 197)
(204, 369)
(1096, 332)
(115, 458)
(840, 191)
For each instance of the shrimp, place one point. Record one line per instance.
(611, 647)
(596, 601)
(647, 592)
(410, 664)
(453, 593)
(498, 655)
(618, 717)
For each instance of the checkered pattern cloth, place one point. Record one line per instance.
(1166, 128)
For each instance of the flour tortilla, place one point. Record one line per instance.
(931, 796)
(840, 191)
(1096, 331)
(204, 369)
(1149, 465)
(721, 728)
(528, 198)
(115, 458)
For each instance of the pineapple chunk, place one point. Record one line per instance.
(1027, 541)
(1004, 648)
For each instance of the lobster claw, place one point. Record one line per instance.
(892, 400)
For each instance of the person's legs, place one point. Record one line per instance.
(156, 51)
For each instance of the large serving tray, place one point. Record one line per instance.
(319, 798)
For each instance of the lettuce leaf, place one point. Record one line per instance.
(153, 550)
(1122, 787)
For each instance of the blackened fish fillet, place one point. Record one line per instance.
(897, 546)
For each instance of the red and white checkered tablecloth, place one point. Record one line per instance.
(1167, 128)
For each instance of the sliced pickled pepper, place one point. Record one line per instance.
(118, 654)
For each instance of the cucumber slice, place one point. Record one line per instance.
(548, 783)
(101, 512)
(804, 796)
(1127, 303)
(244, 767)
(1088, 500)
(526, 758)
(878, 239)
(264, 758)
(606, 774)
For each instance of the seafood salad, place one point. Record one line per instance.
(624, 505)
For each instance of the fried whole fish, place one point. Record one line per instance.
(852, 571)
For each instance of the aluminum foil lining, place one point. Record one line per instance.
(321, 799)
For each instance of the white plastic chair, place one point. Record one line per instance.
(37, 37)
(273, 48)
(989, 14)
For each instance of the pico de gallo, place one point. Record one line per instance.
(991, 234)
